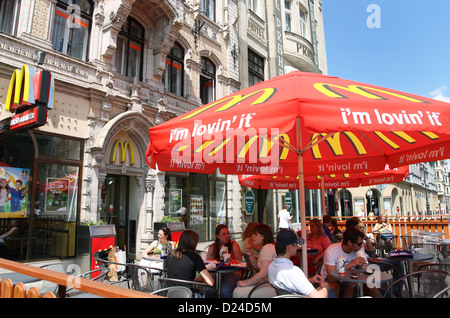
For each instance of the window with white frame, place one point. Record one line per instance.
(303, 19)
(174, 73)
(253, 5)
(73, 20)
(207, 81)
(9, 15)
(208, 8)
(129, 51)
(288, 14)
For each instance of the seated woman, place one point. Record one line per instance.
(223, 243)
(316, 239)
(184, 263)
(263, 236)
(156, 247)
(383, 230)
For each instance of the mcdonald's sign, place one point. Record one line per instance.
(123, 148)
(30, 95)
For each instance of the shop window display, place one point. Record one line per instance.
(38, 215)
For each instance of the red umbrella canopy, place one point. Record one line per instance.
(256, 130)
(346, 180)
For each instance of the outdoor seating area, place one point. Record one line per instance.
(417, 270)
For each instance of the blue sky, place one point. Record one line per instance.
(407, 49)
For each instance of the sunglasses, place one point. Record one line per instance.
(359, 244)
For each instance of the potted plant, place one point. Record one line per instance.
(173, 223)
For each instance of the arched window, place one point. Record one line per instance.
(174, 73)
(129, 51)
(73, 20)
(207, 81)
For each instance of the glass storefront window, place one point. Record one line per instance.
(198, 217)
(199, 200)
(53, 146)
(39, 214)
(16, 163)
(55, 211)
(176, 197)
(218, 205)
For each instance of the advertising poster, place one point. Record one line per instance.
(196, 206)
(175, 196)
(56, 194)
(14, 185)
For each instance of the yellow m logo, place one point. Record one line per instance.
(331, 91)
(264, 95)
(21, 88)
(123, 148)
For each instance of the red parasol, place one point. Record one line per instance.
(278, 126)
(345, 180)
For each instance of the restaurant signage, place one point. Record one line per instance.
(30, 95)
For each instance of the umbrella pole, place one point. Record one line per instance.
(301, 195)
(322, 184)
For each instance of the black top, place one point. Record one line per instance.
(186, 267)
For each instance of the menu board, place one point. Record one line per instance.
(196, 203)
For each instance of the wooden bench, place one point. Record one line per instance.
(9, 290)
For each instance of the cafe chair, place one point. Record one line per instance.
(408, 241)
(282, 293)
(427, 285)
(100, 276)
(445, 293)
(174, 292)
(262, 286)
(437, 256)
(143, 277)
(291, 296)
(198, 288)
(115, 276)
(438, 266)
(385, 245)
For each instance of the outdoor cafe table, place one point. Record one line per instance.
(375, 277)
(222, 269)
(426, 233)
(408, 265)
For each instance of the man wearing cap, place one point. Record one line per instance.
(285, 275)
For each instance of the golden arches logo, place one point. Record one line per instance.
(263, 96)
(21, 90)
(330, 90)
(123, 148)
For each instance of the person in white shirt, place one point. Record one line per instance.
(285, 275)
(284, 218)
(351, 243)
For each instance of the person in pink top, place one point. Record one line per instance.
(316, 239)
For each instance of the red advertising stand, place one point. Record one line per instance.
(95, 238)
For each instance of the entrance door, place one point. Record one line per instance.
(116, 206)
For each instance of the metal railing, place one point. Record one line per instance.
(79, 283)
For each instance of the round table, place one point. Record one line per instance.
(375, 277)
(408, 265)
(221, 270)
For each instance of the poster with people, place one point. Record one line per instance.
(14, 189)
